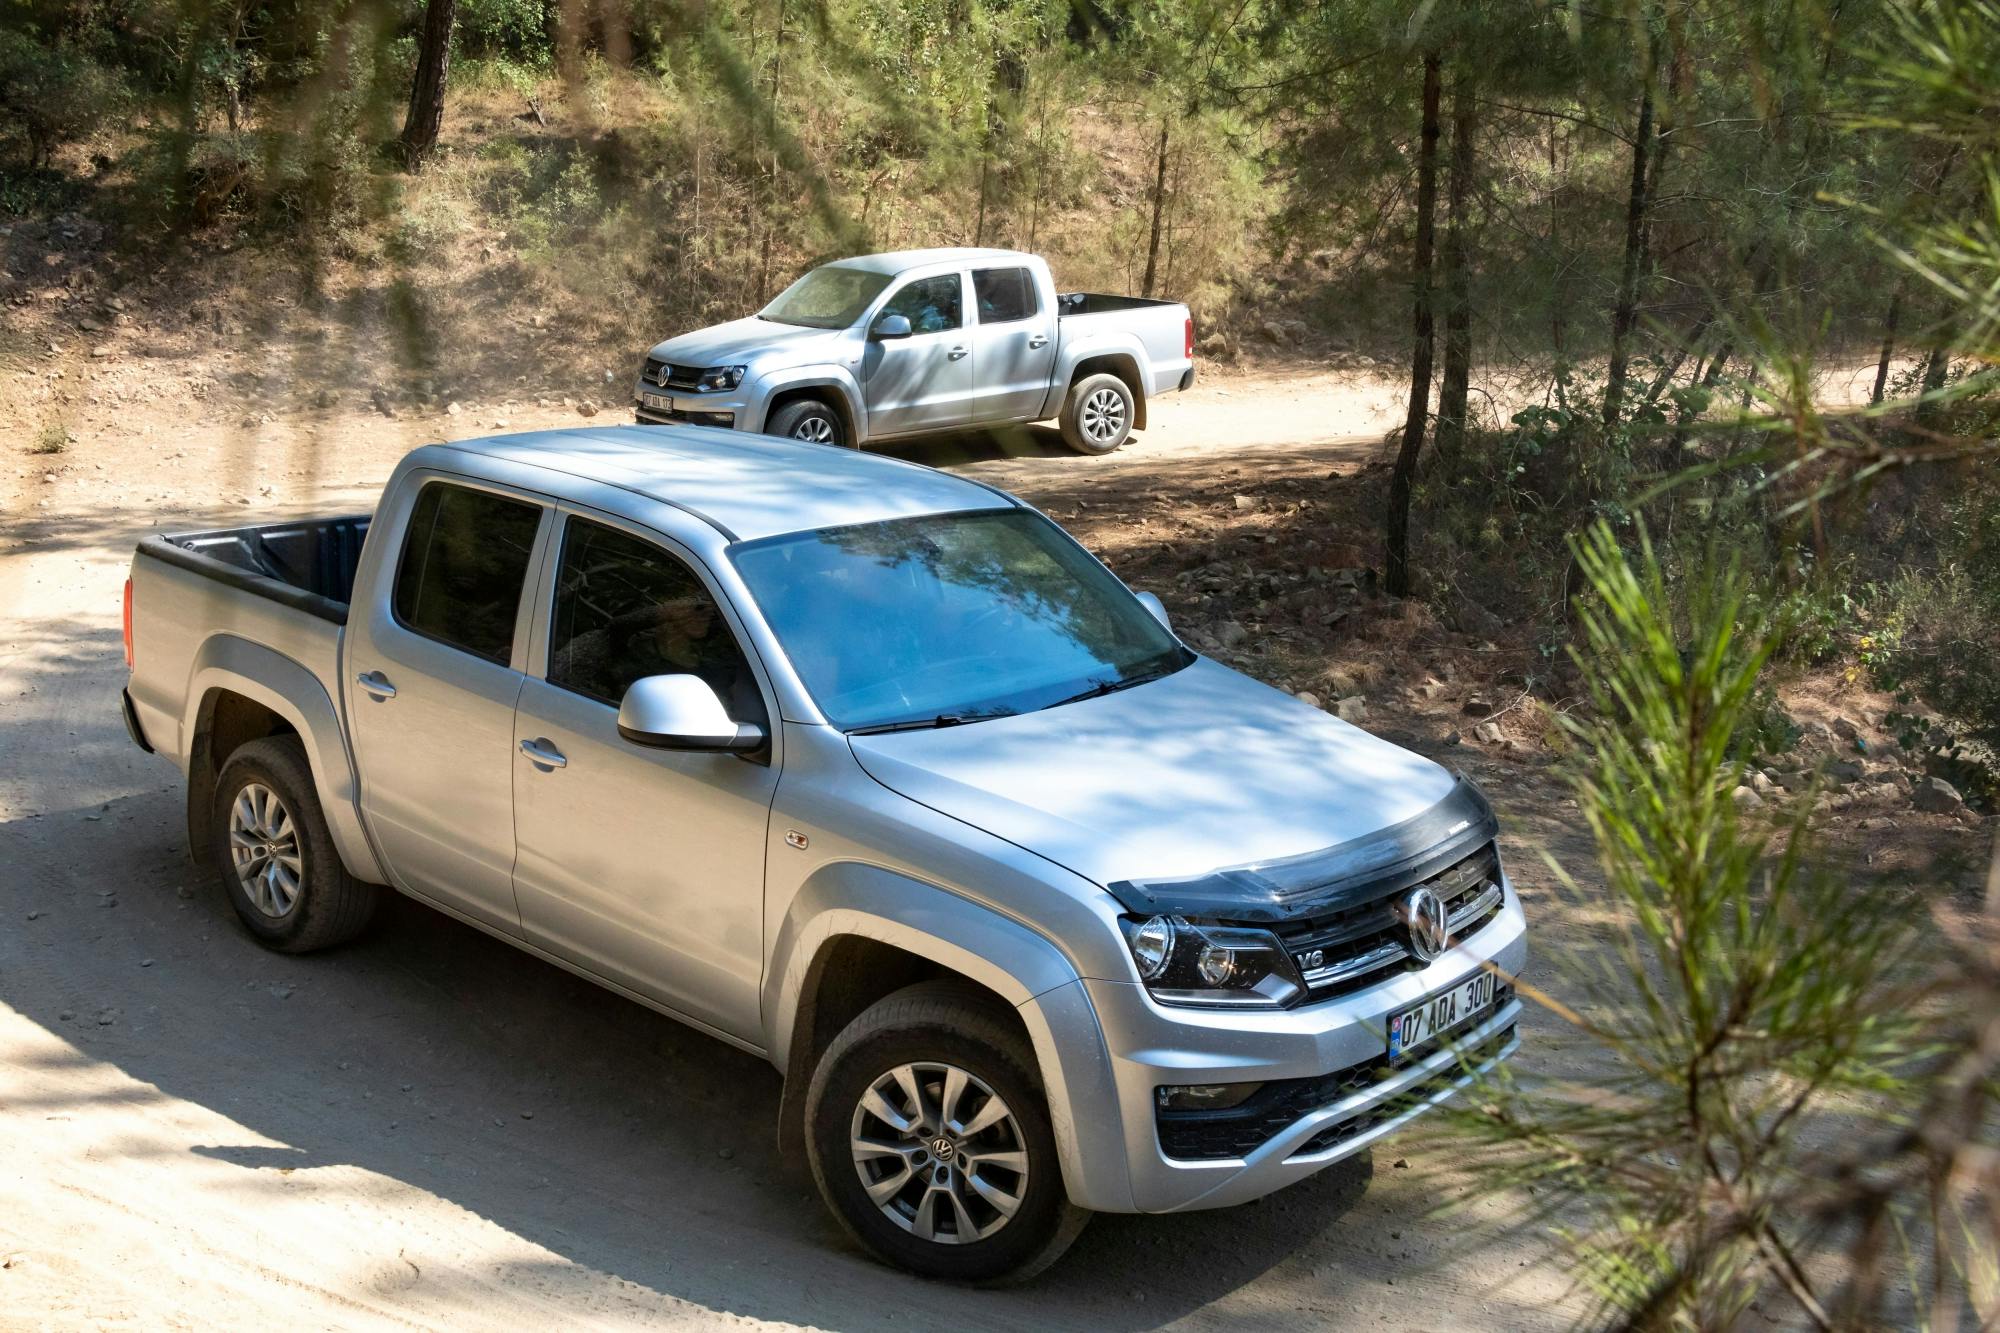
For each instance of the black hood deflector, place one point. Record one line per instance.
(1316, 883)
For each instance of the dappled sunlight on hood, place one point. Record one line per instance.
(1203, 769)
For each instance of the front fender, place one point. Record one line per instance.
(983, 946)
(293, 692)
(831, 376)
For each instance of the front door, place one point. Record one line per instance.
(1013, 350)
(924, 381)
(433, 673)
(644, 866)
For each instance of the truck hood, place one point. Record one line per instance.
(738, 342)
(1193, 780)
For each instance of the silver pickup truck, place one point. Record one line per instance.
(916, 342)
(860, 766)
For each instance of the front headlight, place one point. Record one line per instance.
(1225, 967)
(720, 377)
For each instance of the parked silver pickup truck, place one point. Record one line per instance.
(863, 767)
(920, 341)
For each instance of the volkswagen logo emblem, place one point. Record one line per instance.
(942, 1148)
(1423, 913)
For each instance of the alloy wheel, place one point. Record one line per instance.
(940, 1153)
(814, 430)
(264, 849)
(1103, 417)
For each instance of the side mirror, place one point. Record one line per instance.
(683, 713)
(1156, 606)
(890, 327)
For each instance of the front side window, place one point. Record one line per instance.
(826, 298)
(1004, 294)
(932, 305)
(465, 559)
(951, 618)
(625, 609)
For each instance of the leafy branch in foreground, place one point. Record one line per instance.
(1785, 1099)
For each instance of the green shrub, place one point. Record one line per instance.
(512, 30)
(53, 93)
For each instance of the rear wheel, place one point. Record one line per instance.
(810, 419)
(928, 1133)
(1097, 415)
(276, 856)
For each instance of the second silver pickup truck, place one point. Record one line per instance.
(866, 768)
(917, 342)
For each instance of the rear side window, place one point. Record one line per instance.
(465, 561)
(1004, 294)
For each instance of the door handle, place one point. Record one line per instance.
(539, 751)
(376, 684)
(1039, 340)
(957, 353)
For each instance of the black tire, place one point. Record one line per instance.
(329, 905)
(960, 1025)
(1086, 409)
(813, 420)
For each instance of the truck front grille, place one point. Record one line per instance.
(1360, 945)
(1206, 1136)
(668, 376)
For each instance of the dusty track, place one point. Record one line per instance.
(430, 1128)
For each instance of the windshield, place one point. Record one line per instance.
(826, 298)
(951, 618)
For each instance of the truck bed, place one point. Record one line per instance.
(308, 564)
(1102, 303)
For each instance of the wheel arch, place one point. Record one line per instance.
(1124, 365)
(849, 941)
(822, 384)
(241, 691)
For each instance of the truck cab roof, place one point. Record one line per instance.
(745, 486)
(902, 261)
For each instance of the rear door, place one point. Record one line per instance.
(924, 381)
(1013, 348)
(643, 866)
(434, 671)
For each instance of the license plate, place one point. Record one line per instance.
(659, 402)
(1440, 1013)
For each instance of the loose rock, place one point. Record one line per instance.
(1935, 796)
(1352, 709)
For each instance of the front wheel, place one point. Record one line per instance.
(928, 1134)
(810, 419)
(1097, 415)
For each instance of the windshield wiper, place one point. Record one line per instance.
(926, 723)
(1103, 687)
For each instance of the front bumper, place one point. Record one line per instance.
(1140, 1046)
(654, 406)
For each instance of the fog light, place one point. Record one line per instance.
(1204, 1096)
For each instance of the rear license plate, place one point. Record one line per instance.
(659, 402)
(1441, 1013)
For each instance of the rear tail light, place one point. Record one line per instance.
(1188, 350)
(128, 624)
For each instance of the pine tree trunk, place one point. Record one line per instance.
(1934, 376)
(426, 117)
(1456, 385)
(1159, 207)
(1403, 480)
(1624, 314)
(1888, 343)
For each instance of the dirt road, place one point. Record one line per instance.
(432, 1129)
